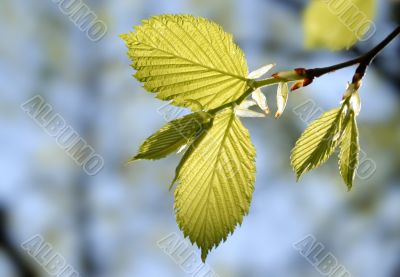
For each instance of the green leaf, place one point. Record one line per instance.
(349, 151)
(317, 143)
(172, 136)
(215, 182)
(338, 24)
(181, 58)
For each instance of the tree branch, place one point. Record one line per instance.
(363, 60)
(306, 76)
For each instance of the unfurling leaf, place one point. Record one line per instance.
(338, 24)
(182, 57)
(355, 103)
(282, 95)
(261, 100)
(258, 73)
(349, 151)
(353, 96)
(172, 136)
(243, 110)
(215, 182)
(317, 143)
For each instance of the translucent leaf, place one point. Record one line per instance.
(355, 100)
(261, 100)
(182, 148)
(349, 152)
(215, 182)
(338, 24)
(243, 112)
(282, 95)
(247, 104)
(355, 103)
(317, 143)
(258, 73)
(172, 136)
(185, 58)
(351, 88)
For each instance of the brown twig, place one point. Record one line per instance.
(363, 61)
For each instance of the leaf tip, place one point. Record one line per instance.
(204, 253)
(132, 160)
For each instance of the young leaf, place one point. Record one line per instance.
(261, 100)
(281, 98)
(172, 136)
(317, 143)
(337, 24)
(349, 151)
(355, 103)
(215, 182)
(258, 73)
(243, 110)
(182, 57)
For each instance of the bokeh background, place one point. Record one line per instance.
(109, 224)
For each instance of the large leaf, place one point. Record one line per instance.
(317, 143)
(349, 151)
(338, 24)
(172, 136)
(183, 58)
(215, 182)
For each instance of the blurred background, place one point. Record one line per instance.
(110, 224)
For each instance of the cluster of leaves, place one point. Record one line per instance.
(193, 63)
(337, 127)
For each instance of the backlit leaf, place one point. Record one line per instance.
(215, 182)
(282, 95)
(172, 136)
(184, 58)
(349, 151)
(261, 100)
(355, 103)
(259, 72)
(317, 143)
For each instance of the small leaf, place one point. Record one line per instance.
(242, 112)
(258, 73)
(355, 100)
(355, 103)
(349, 151)
(351, 88)
(338, 24)
(215, 182)
(172, 136)
(182, 57)
(317, 143)
(261, 100)
(247, 104)
(282, 95)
